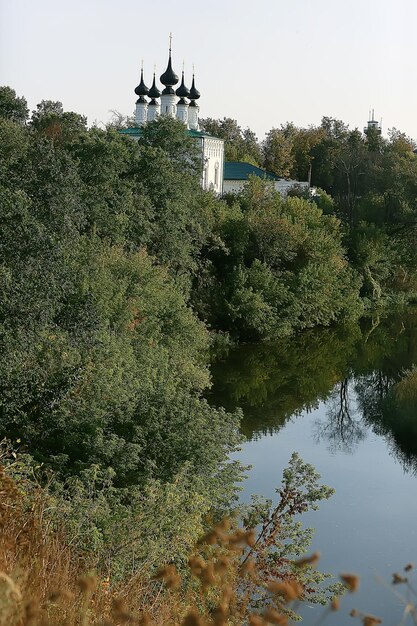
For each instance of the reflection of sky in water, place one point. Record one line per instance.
(369, 526)
(356, 434)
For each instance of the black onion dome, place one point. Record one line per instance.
(169, 77)
(183, 91)
(141, 89)
(154, 91)
(168, 91)
(194, 94)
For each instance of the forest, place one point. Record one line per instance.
(120, 278)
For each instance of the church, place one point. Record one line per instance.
(180, 103)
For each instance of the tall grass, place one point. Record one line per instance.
(229, 578)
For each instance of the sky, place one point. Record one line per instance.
(261, 62)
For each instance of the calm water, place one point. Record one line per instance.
(345, 400)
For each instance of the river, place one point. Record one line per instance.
(346, 400)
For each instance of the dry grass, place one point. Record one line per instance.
(43, 582)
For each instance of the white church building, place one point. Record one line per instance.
(180, 103)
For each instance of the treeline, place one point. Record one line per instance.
(117, 273)
(367, 181)
(366, 175)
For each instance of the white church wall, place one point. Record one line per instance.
(213, 164)
(282, 186)
(182, 113)
(154, 110)
(141, 113)
(233, 186)
(193, 117)
(169, 105)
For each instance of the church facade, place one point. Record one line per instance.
(180, 103)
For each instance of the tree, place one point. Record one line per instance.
(240, 145)
(167, 134)
(119, 121)
(50, 120)
(282, 268)
(253, 152)
(277, 152)
(351, 167)
(44, 109)
(12, 107)
(400, 142)
(304, 140)
(103, 362)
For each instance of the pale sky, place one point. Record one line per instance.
(262, 62)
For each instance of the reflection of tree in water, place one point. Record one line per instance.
(275, 383)
(340, 427)
(389, 406)
(371, 390)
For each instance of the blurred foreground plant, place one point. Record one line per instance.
(249, 570)
(44, 552)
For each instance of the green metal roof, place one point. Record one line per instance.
(198, 133)
(238, 170)
(137, 132)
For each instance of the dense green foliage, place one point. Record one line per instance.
(240, 145)
(282, 267)
(368, 181)
(12, 107)
(103, 360)
(115, 266)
